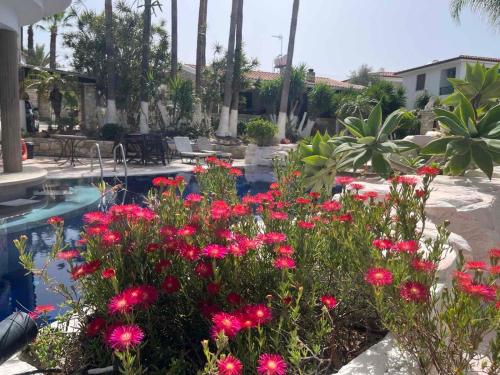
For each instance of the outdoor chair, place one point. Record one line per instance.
(185, 150)
(204, 145)
(144, 148)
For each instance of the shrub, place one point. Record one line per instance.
(287, 287)
(261, 131)
(111, 132)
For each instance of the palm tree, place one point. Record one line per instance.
(282, 118)
(31, 49)
(144, 96)
(53, 24)
(490, 8)
(235, 102)
(201, 45)
(38, 57)
(111, 117)
(174, 64)
(223, 130)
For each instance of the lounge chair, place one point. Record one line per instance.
(185, 150)
(205, 145)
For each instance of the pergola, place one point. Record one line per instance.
(15, 14)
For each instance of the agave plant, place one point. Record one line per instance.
(469, 139)
(369, 141)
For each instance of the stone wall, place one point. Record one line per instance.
(52, 147)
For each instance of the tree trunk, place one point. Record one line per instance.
(282, 119)
(53, 46)
(223, 130)
(201, 46)
(238, 55)
(146, 38)
(31, 45)
(174, 63)
(111, 116)
(9, 103)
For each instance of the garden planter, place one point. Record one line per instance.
(263, 156)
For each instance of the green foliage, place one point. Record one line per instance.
(389, 96)
(111, 132)
(88, 47)
(469, 139)
(321, 101)
(39, 57)
(353, 103)
(269, 94)
(261, 131)
(363, 76)
(182, 97)
(481, 87)
(422, 100)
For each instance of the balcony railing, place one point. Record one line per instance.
(446, 90)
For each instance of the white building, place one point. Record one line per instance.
(433, 78)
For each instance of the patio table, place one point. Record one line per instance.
(69, 145)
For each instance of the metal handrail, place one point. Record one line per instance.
(124, 160)
(98, 148)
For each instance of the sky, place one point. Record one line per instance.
(334, 37)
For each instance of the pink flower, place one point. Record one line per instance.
(486, 292)
(122, 303)
(329, 301)
(108, 273)
(302, 200)
(410, 246)
(271, 364)
(170, 285)
(405, 180)
(260, 314)
(68, 255)
(125, 337)
(278, 215)
(215, 251)
(44, 309)
(95, 326)
(494, 253)
(428, 171)
(220, 210)
(413, 291)
(344, 180)
(284, 263)
(96, 217)
(378, 276)
(495, 270)
(85, 269)
(305, 224)
(111, 238)
(199, 170)
(193, 198)
(229, 366)
(144, 295)
(356, 186)
(204, 270)
(240, 210)
(382, 244)
(235, 172)
(225, 323)
(233, 298)
(476, 266)
(273, 237)
(423, 265)
(187, 231)
(190, 252)
(331, 206)
(54, 220)
(162, 265)
(213, 288)
(285, 250)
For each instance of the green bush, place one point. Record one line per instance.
(111, 132)
(261, 131)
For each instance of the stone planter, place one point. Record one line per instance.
(263, 156)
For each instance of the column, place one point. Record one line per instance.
(9, 102)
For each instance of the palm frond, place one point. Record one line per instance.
(488, 8)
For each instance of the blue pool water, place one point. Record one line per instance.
(19, 291)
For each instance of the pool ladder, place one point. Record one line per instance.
(124, 161)
(99, 157)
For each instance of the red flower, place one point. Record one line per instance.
(305, 224)
(240, 210)
(215, 251)
(476, 266)
(122, 303)
(220, 210)
(413, 291)
(144, 295)
(85, 269)
(284, 263)
(235, 172)
(193, 198)
(497, 305)
(96, 217)
(187, 231)
(347, 218)
(95, 326)
(423, 265)
(204, 270)
(410, 246)
(229, 366)
(344, 180)
(371, 194)
(68, 254)
(213, 288)
(314, 195)
(160, 181)
(278, 215)
(111, 238)
(44, 309)
(428, 171)
(54, 220)
(108, 273)
(170, 284)
(199, 170)
(190, 252)
(125, 337)
(260, 314)
(225, 323)
(382, 244)
(162, 265)
(378, 276)
(486, 292)
(329, 301)
(271, 364)
(168, 232)
(233, 298)
(296, 173)
(285, 250)
(405, 180)
(302, 200)
(356, 186)
(495, 270)
(420, 193)
(97, 230)
(273, 237)
(331, 206)
(208, 309)
(494, 253)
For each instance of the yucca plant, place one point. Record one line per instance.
(369, 141)
(469, 138)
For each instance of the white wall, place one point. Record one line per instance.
(432, 79)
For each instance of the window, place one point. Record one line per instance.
(420, 82)
(451, 73)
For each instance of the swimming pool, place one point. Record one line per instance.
(19, 291)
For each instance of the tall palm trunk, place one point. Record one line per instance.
(53, 46)
(111, 117)
(223, 130)
(238, 55)
(174, 64)
(282, 118)
(201, 45)
(31, 45)
(146, 38)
